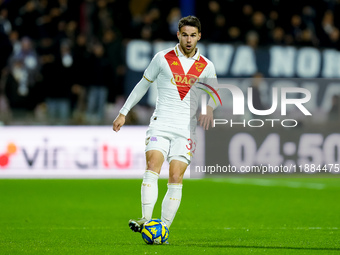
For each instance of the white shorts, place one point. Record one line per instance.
(172, 145)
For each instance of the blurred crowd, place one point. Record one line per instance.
(272, 22)
(62, 61)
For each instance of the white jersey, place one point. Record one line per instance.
(177, 100)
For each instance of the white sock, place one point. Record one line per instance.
(171, 202)
(149, 193)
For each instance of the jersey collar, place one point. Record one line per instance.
(180, 54)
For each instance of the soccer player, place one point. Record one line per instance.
(170, 133)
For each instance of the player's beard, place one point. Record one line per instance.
(189, 51)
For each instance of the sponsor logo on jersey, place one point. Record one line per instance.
(175, 63)
(183, 80)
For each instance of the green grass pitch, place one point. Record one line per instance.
(216, 216)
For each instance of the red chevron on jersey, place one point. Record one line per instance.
(180, 79)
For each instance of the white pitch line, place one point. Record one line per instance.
(286, 228)
(272, 183)
(278, 228)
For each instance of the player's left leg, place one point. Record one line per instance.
(173, 196)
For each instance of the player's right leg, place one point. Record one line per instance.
(149, 190)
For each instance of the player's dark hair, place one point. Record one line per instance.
(189, 21)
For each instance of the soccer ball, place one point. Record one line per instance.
(155, 231)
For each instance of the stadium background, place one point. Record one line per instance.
(48, 50)
(66, 70)
(73, 63)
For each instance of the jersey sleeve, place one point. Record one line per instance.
(153, 69)
(135, 96)
(143, 85)
(212, 75)
(211, 71)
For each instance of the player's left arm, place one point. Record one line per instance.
(206, 120)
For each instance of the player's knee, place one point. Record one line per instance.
(154, 160)
(153, 165)
(175, 177)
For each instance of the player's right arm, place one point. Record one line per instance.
(118, 122)
(136, 95)
(138, 92)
